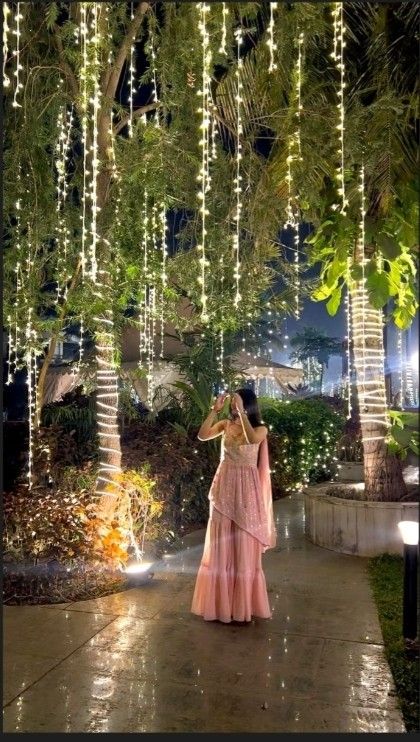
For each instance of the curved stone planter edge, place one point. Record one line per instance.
(357, 527)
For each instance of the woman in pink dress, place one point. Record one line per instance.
(230, 583)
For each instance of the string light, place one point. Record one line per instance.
(107, 402)
(401, 368)
(338, 57)
(164, 277)
(368, 345)
(150, 349)
(347, 302)
(16, 53)
(65, 122)
(154, 78)
(95, 101)
(270, 41)
(204, 175)
(225, 13)
(85, 102)
(6, 29)
(294, 155)
(29, 382)
(238, 176)
(131, 84)
(9, 351)
(18, 267)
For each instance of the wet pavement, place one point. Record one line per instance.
(138, 661)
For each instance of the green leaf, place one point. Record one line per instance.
(405, 257)
(322, 293)
(401, 435)
(335, 271)
(51, 15)
(334, 302)
(378, 289)
(389, 247)
(394, 278)
(402, 318)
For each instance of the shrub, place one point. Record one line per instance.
(182, 466)
(48, 523)
(302, 441)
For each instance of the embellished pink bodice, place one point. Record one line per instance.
(241, 488)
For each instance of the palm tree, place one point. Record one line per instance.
(313, 343)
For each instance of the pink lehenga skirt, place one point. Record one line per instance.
(230, 584)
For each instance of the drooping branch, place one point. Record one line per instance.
(52, 346)
(136, 114)
(113, 73)
(66, 68)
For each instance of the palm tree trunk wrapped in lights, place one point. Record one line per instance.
(382, 470)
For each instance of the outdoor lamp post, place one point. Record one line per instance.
(409, 530)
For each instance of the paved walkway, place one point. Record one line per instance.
(138, 661)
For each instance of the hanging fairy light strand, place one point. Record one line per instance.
(270, 41)
(294, 155)
(95, 101)
(85, 103)
(154, 78)
(16, 54)
(400, 367)
(30, 385)
(6, 29)
(131, 83)
(10, 350)
(348, 339)
(164, 277)
(238, 177)
(63, 147)
(225, 13)
(204, 175)
(338, 57)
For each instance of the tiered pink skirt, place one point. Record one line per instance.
(230, 583)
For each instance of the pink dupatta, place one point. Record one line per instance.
(267, 495)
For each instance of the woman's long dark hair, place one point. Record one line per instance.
(250, 406)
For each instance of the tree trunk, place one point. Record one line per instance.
(382, 470)
(107, 485)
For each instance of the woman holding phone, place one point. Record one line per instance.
(230, 584)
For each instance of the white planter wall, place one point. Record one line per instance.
(355, 527)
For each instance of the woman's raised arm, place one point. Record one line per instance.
(209, 428)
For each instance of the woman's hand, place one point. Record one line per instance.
(238, 404)
(219, 402)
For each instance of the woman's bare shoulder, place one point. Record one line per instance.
(262, 431)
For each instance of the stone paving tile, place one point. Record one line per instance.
(48, 633)
(20, 671)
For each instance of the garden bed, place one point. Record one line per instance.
(386, 577)
(52, 582)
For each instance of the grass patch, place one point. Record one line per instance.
(386, 577)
